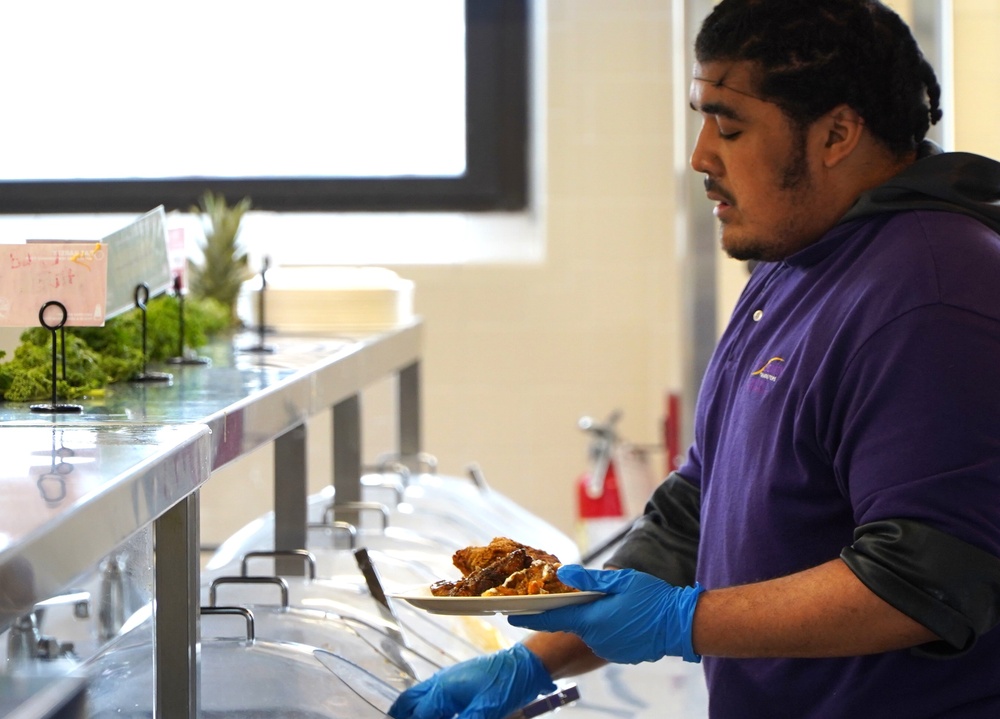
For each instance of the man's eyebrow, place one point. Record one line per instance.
(718, 109)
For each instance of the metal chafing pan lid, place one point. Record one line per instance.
(241, 677)
(442, 640)
(370, 646)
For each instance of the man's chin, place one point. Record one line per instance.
(745, 251)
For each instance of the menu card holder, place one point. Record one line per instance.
(141, 298)
(50, 308)
(261, 346)
(184, 356)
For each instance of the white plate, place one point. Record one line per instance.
(518, 604)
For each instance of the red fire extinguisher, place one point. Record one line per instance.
(600, 514)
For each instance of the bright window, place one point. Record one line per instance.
(117, 105)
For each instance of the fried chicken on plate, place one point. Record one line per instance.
(502, 568)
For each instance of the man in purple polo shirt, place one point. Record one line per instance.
(831, 547)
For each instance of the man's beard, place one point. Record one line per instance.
(794, 179)
(795, 175)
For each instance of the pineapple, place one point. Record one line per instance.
(225, 266)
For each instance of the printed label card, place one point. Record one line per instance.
(138, 256)
(73, 273)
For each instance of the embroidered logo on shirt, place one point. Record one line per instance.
(762, 379)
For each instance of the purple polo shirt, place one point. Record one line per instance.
(857, 380)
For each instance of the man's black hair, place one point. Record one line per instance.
(812, 55)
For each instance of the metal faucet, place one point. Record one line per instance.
(23, 639)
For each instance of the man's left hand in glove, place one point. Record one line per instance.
(641, 619)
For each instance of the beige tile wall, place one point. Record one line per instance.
(515, 355)
(977, 76)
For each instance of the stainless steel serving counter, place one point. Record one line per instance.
(141, 451)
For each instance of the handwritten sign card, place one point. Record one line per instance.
(73, 273)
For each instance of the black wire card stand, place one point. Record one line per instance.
(58, 309)
(261, 347)
(184, 356)
(141, 298)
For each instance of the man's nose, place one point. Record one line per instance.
(703, 157)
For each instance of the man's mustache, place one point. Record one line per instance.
(713, 187)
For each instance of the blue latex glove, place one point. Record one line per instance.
(487, 687)
(641, 620)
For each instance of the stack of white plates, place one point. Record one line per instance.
(330, 299)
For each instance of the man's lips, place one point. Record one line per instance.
(716, 194)
(723, 198)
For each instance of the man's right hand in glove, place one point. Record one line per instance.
(487, 687)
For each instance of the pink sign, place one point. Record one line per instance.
(177, 256)
(74, 274)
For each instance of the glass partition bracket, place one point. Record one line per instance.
(177, 617)
(408, 415)
(290, 498)
(347, 456)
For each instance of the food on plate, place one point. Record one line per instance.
(502, 568)
(470, 559)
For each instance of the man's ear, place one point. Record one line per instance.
(841, 128)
